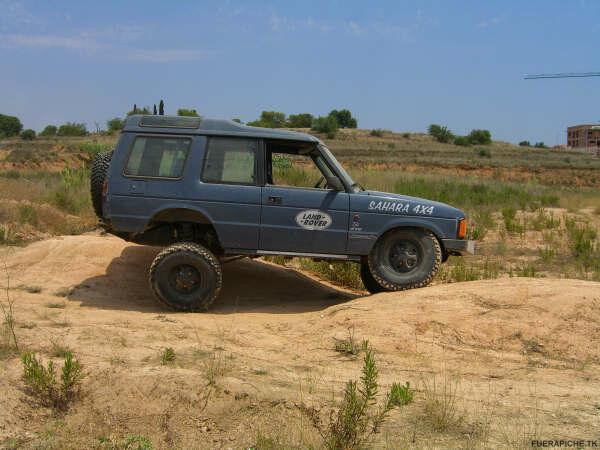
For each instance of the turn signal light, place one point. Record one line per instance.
(462, 228)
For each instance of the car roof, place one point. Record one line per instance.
(205, 126)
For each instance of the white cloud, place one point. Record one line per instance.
(490, 22)
(164, 55)
(50, 41)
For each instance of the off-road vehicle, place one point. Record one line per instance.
(211, 189)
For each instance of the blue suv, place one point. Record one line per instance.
(207, 189)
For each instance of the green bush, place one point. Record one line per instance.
(303, 120)
(10, 126)
(49, 131)
(480, 137)
(525, 144)
(440, 133)
(187, 112)
(115, 124)
(28, 134)
(42, 383)
(378, 132)
(463, 141)
(344, 118)
(145, 110)
(484, 153)
(269, 119)
(72, 129)
(540, 145)
(325, 124)
(358, 416)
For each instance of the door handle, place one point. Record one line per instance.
(274, 200)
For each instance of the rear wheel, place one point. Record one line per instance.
(100, 166)
(369, 282)
(405, 259)
(186, 277)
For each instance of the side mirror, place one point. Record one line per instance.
(335, 184)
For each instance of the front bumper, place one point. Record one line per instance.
(459, 246)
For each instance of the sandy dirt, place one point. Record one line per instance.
(520, 357)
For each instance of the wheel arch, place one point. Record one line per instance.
(415, 225)
(180, 214)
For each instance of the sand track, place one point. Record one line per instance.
(511, 342)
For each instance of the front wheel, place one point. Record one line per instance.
(186, 277)
(405, 259)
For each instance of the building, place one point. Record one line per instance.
(584, 136)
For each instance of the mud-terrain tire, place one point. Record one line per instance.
(405, 259)
(100, 165)
(369, 282)
(186, 277)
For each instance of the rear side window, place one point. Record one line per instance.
(230, 161)
(158, 157)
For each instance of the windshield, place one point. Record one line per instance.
(346, 179)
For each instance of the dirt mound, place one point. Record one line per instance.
(519, 343)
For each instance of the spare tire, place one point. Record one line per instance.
(100, 165)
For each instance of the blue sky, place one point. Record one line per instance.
(399, 65)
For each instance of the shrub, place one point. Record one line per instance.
(484, 153)
(72, 129)
(463, 141)
(115, 124)
(10, 125)
(406, 135)
(357, 417)
(145, 110)
(42, 383)
(49, 131)
(481, 137)
(344, 118)
(187, 112)
(269, 119)
(540, 145)
(325, 124)
(167, 356)
(350, 346)
(377, 132)
(440, 133)
(303, 120)
(237, 120)
(28, 134)
(525, 144)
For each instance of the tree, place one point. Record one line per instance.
(145, 110)
(154, 110)
(187, 112)
(270, 119)
(302, 120)
(237, 120)
(525, 144)
(10, 125)
(161, 108)
(326, 124)
(540, 145)
(344, 118)
(72, 129)
(440, 133)
(115, 124)
(49, 131)
(463, 141)
(28, 134)
(482, 137)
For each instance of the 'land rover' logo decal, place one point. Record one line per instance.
(313, 219)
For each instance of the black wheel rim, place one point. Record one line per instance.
(404, 256)
(185, 279)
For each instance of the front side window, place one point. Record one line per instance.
(158, 157)
(230, 161)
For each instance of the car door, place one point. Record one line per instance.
(303, 219)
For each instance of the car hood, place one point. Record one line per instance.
(388, 203)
